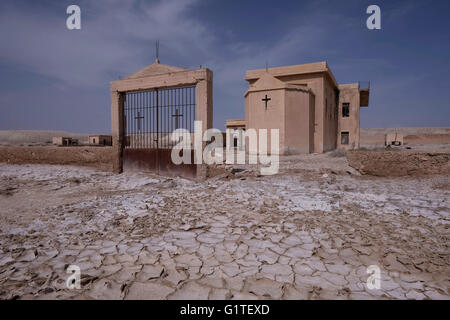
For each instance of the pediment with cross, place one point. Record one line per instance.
(177, 115)
(153, 70)
(266, 82)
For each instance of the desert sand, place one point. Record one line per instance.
(424, 139)
(309, 232)
(36, 137)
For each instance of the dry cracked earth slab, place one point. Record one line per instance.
(302, 234)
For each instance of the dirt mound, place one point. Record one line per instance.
(405, 130)
(413, 136)
(98, 157)
(441, 138)
(398, 163)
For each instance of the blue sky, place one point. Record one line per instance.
(55, 79)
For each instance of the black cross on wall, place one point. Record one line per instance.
(177, 118)
(138, 118)
(266, 99)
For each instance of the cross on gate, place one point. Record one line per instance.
(177, 117)
(266, 99)
(138, 118)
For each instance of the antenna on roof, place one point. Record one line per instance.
(157, 51)
(267, 66)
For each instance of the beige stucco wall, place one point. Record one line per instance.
(312, 107)
(330, 115)
(325, 125)
(256, 117)
(290, 111)
(117, 127)
(299, 122)
(204, 98)
(349, 93)
(315, 83)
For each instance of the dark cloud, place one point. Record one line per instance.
(53, 78)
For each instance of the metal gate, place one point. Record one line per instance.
(150, 118)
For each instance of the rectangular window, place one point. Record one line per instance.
(345, 109)
(344, 137)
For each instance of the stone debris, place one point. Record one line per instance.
(295, 235)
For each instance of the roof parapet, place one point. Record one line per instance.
(309, 68)
(364, 92)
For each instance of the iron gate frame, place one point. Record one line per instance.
(141, 150)
(160, 76)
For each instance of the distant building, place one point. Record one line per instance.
(236, 124)
(394, 139)
(64, 141)
(100, 140)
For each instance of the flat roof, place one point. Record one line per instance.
(235, 122)
(315, 67)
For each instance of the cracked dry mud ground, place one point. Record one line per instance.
(301, 234)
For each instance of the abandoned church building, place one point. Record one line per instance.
(313, 113)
